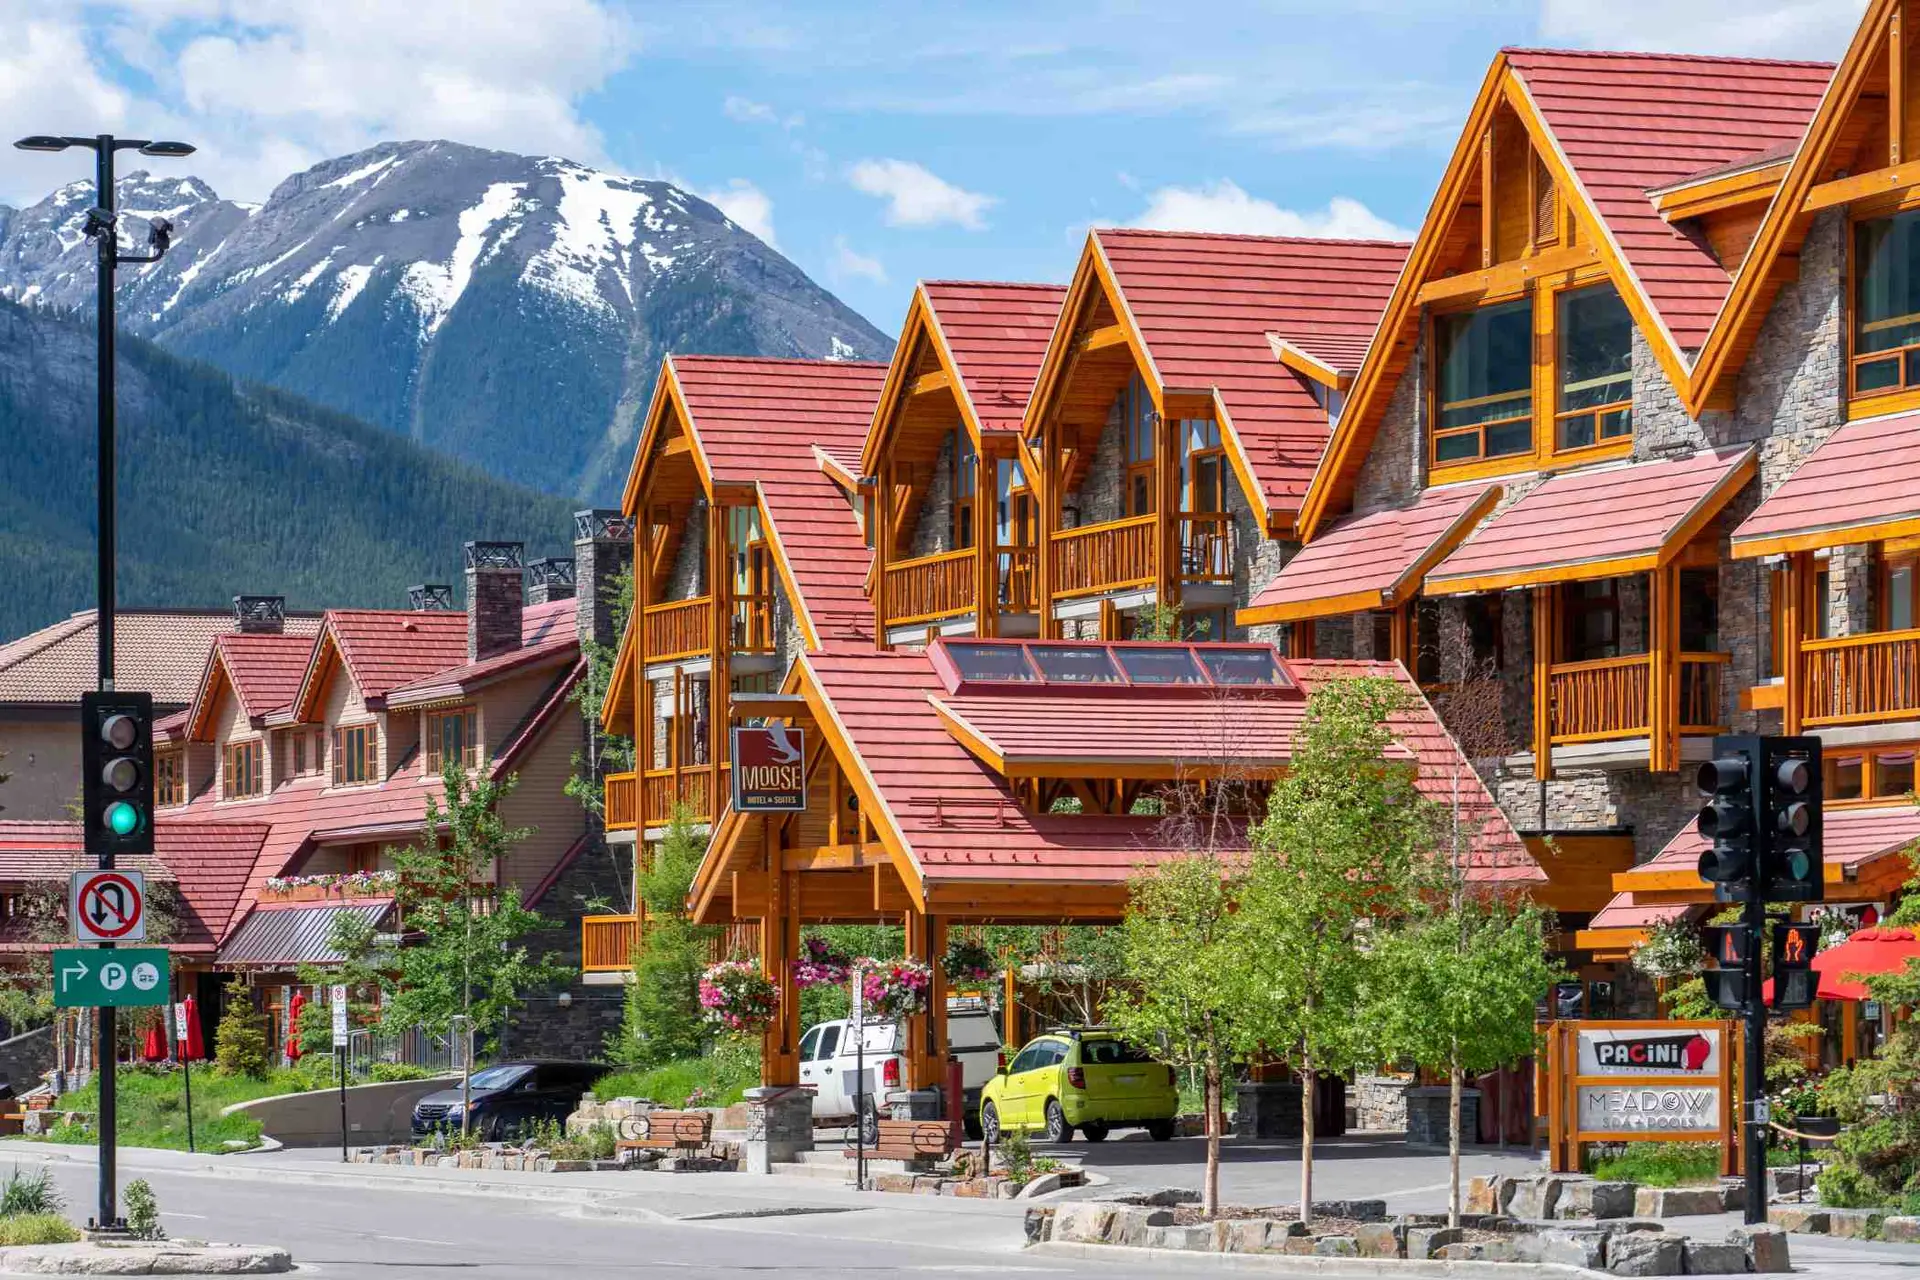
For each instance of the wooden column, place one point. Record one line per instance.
(921, 1072)
(1166, 511)
(1896, 89)
(1797, 609)
(1046, 495)
(986, 500)
(1401, 637)
(937, 1001)
(720, 647)
(1545, 645)
(1663, 669)
(643, 710)
(1010, 1003)
(1300, 639)
(779, 945)
(882, 535)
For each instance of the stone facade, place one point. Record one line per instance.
(541, 1025)
(1429, 1111)
(1380, 1103)
(933, 529)
(1395, 469)
(687, 580)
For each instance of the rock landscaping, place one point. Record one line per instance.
(714, 1157)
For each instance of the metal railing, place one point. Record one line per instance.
(413, 1047)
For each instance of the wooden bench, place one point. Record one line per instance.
(665, 1131)
(909, 1140)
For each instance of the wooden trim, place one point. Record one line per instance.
(1263, 515)
(1112, 335)
(1323, 607)
(1546, 632)
(1727, 191)
(1508, 278)
(1307, 365)
(1827, 537)
(1893, 180)
(927, 383)
(1799, 608)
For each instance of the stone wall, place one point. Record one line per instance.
(1099, 496)
(541, 1026)
(1395, 469)
(1380, 1103)
(933, 528)
(687, 579)
(1850, 590)
(1789, 392)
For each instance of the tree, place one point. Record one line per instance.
(663, 1019)
(468, 960)
(240, 1041)
(1346, 835)
(603, 753)
(1071, 967)
(1184, 966)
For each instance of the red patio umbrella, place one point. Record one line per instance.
(294, 1006)
(1866, 953)
(155, 1049)
(192, 1048)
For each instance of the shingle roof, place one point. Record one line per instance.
(1596, 522)
(553, 621)
(1205, 305)
(386, 648)
(1865, 475)
(161, 652)
(1130, 727)
(997, 334)
(471, 675)
(1628, 122)
(757, 421)
(264, 670)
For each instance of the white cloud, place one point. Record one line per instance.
(916, 197)
(747, 205)
(1224, 206)
(1773, 28)
(849, 265)
(747, 111)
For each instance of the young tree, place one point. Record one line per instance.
(240, 1041)
(663, 1019)
(1346, 834)
(1183, 996)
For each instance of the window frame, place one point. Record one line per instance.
(1597, 413)
(368, 756)
(431, 732)
(1887, 399)
(1869, 796)
(1139, 422)
(965, 488)
(231, 754)
(1435, 406)
(169, 778)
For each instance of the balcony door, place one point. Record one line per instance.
(1016, 531)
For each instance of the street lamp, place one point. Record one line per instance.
(102, 228)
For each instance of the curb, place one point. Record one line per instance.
(1177, 1260)
(159, 1258)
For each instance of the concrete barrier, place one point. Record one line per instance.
(376, 1113)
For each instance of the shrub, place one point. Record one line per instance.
(240, 1042)
(1659, 1164)
(393, 1072)
(143, 1211)
(29, 1194)
(37, 1228)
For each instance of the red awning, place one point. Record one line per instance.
(1373, 561)
(1861, 485)
(1599, 522)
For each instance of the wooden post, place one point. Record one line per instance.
(1896, 89)
(1663, 669)
(720, 651)
(919, 1061)
(1545, 646)
(779, 944)
(1010, 1001)
(1166, 512)
(1046, 487)
(986, 498)
(643, 709)
(1300, 639)
(1400, 636)
(1486, 198)
(1796, 597)
(882, 535)
(937, 1010)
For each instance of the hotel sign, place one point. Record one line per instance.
(1621, 1081)
(769, 769)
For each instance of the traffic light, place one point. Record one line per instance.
(1727, 781)
(1728, 944)
(116, 772)
(1727, 988)
(1794, 947)
(1789, 820)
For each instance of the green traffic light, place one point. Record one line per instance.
(122, 818)
(1798, 864)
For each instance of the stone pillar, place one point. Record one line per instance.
(549, 579)
(779, 1125)
(1428, 1106)
(1267, 1110)
(1850, 590)
(602, 547)
(495, 596)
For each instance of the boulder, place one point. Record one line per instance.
(1249, 1235)
(898, 1182)
(1678, 1202)
(1298, 1246)
(1135, 1225)
(1596, 1200)
(1646, 1253)
(1900, 1230)
(1381, 1240)
(1765, 1246)
(1792, 1181)
(1426, 1242)
(1162, 1196)
(1336, 1247)
(1856, 1224)
(1484, 1193)
(1565, 1248)
(1039, 1225)
(1480, 1251)
(1197, 1239)
(1087, 1222)
(1705, 1259)
(1352, 1210)
(1801, 1220)
(1535, 1199)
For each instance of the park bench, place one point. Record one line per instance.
(909, 1140)
(665, 1131)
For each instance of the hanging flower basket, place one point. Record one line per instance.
(967, 961)
(820, 965)
(895, 989)
(738, 996)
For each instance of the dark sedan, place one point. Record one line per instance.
(508, 1098)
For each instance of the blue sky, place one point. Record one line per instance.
(874, 145)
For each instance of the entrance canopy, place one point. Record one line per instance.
(1866, 954)
(1861, 485)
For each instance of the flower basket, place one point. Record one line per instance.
(738, 996)
(968, 962)
(820, 965)
(895, 989)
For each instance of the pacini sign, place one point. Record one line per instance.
(1606, 1053)
(769, 770)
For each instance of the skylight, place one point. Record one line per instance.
(1056, 664)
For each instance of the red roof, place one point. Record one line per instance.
(1205, 305)
(1849, 839)
(1631, 122)
(1864, 475)
(1128, 727)
(1379, 556)
(265, 671)
(1596, 522)
(1622, 912)
(469, 676)
(553, 621)
(756, 422)
(997, 334)
(386, 648)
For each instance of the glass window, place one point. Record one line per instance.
(169, 778)
(452, 738)
(498, 1077)
(1243, 666)
(1075, 664)
(1485, 383)
(1592, 612)
(1138, 421)
(1595, 332)
(356, 755)
(1845, 778)
(829, 1039)
(1892, 773)
(1700, 610)
(1103, 1053)
(240, 771)
(1900, 594)
(1157, 665)
(1002, 662)
(807, 1043)
(1028, 1060)
(1886, 312)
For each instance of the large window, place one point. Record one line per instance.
(1886, 312)
(1485, 383)
(356, 755)
(1870, 773)
(240, 772)
(966, 474)
(1591, 614)
(452, 738)
(1595, 373)
(1137, 423)
(169, 778)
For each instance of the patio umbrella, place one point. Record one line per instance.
(294, 1006)
(155, 1049)
(192, 1048)
(1867, 953)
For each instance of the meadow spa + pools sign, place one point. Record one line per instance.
(1627, 1081)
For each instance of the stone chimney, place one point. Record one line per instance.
(549, 579)
(431, 597)
(602, 550)
(260, 615)
(494, 573)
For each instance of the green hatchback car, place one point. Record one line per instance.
(1085, 1079)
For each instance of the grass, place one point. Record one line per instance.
(1660, 1164)
(37, 1228)
(722, 1080)
(152, 1108)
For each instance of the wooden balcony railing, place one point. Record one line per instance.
(677, 629)
(696, 791)
(1607, 697)
(752, 629)
(1206, 547)
(620, 794)
(1019, 580)
(607, 942)
(930, 587)
(1854, 679)
(1103, 557)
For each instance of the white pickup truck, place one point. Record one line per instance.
(827, 1062)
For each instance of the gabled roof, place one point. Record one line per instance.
(756, 422)
(156, 651)
(264, 671)
(382, 649)
(469, 677)
(285, 937)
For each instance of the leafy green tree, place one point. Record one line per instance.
(663, 1019)
(240, 1041)
(1071, 967)
(1185, 995)
(353, 938)
(1343, 846)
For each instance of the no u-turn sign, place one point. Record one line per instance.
(108, 906)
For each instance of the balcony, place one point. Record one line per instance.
(1019, 569)
(928, 588)
(677, 629)
(619, 796)
(1607, 698)
(1106, 557)
(1206, 547)
(692, 788)
(1859, 679)
(607, 942)
(752, 628)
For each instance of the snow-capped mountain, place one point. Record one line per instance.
(511, 310)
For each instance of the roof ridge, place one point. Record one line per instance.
(1722, 59)
(1035, 285)
(1248, 236)
(787, 360)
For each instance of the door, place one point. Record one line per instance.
(1029, 1081)
(809, 1069)
(831, 1098)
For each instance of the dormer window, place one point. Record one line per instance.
(1595, 374)
(356, 755)
(169, 778)
(241, 775)
(1485, 383)
(452, 738)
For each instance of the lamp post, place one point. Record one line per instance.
(102, 228)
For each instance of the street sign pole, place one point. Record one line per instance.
(339, 1013)
(857, 1028)
(186, 1064)
(1753, 1149)
(104, 544)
